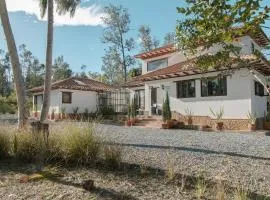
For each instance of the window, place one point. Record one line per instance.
(66, 97)
(185, 89)
(153, 96)
(157, 64)
(259, 89)
(216, 86)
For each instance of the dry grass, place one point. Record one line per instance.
(200, 188)
(5, 145)
(113, 155)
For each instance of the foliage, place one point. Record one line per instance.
(267, 117)
(113, 155)
(8, 104)
(117, 22)
(78, 144)
(206, 23)
(147, 42)
(252, 117)
(218, 114)
(169, 38)
(200, 188)
(75, 110)
(132, 109)
(166, 110)
(5, 145)
(61, 69)
(240, 194)
(106, 110)
(63, 110)
(5, 85)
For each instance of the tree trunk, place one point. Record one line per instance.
(48, 74)
(17, 72)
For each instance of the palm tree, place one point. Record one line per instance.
(63, 6)
(17, 72)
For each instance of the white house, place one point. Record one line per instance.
(70, 94)
(237, 91)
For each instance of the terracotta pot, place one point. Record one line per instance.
(219, 126)
(252, 127)
(133, 122)
(128, 123)
(190, 121)
(169, 124)
(164, 126)
(52, 116)
(266, 125)
(35, 114)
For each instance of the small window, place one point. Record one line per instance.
(216, 86)
(157, 64)
(186, 89)
(66, 97)
(259, 89)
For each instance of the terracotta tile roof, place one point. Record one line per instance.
(189, 68)
(134, 82)
(73, 83)
(257, 35)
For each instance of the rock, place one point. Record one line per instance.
(88, 185)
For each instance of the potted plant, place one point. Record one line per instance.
(75, 112)
(129, 122)
(189, 115)
(166, 113)
(63, 112)
(218, 115)
(52, 114)
(266, 121)
(252, 121)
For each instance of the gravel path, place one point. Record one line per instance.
(241, 159)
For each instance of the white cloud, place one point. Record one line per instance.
(84, 16)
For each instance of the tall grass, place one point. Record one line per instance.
(113, 155)
(5, 145)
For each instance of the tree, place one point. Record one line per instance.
(147, 42)
(169, 38)
(117, 22)
(5, 88)
(112, 66)
(63, 6)
(207, 23)
(166, 109)
(18, 78)
(61, 69)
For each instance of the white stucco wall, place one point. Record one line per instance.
(174, 58)
(80, 99)
(238, 102)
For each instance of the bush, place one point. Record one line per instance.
(5, 146)
(78, 144)
(166, 110)
(8, 104)
(113, 155)
(106, 110)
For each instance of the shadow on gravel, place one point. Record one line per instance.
(206, 151)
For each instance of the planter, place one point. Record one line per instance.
(220, 126)
(164, 126)
(133, 122)
(52, 116)
(128, 123)
(252, 127)
(266, 125)
(35, 114)
(206, 128)
(169, 124)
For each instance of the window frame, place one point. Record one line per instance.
(183, 81)
(258, 92)
(213, 78)
(156, 61)
(69, 102)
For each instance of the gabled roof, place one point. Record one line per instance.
(73, 83)
(257, 35)
(188, 68)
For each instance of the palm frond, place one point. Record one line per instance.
(67, 6)
(43, 7)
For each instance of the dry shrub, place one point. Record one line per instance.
(5, 146)
(200, 188)
(77, 144)
(240, 194)
(113, 155)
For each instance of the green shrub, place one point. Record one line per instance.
(113, 155)
(166, 110)
(5, 146)
(106, 111)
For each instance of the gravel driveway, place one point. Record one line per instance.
(241, 159)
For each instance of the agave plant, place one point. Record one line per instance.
(218, 114)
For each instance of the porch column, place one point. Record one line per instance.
(148, 100)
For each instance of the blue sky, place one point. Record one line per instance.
(78, 40)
